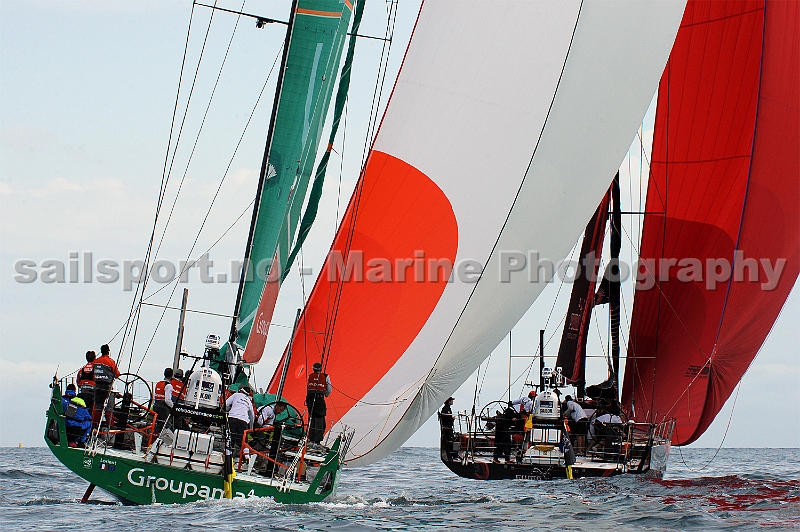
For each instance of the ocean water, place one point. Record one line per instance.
(741, 489)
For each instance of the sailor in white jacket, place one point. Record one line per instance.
(240, 414)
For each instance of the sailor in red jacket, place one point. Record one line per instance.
(85, 380)
(319, 387)
(163, 398)
(105, 371)
(177, 385)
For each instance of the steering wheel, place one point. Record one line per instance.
(487, 412)
(141, 396)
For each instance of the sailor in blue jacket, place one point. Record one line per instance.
(78, 423)
(68, 396)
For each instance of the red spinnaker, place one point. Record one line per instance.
(725, 173)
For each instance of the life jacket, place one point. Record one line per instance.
(178, 391)
(317, 383)
(105, 371)
(160, 391)
(85, 380)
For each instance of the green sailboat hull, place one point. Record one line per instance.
(127, 475)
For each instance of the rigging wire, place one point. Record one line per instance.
(485, 371)
(216, 194)
(197, 137)
(547, 322)
(727, 427)
(162, 188)
(369, 138)
(190, 264)
(148, 255)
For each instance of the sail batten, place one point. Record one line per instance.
(724, 170)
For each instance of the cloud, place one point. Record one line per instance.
(60, 185)
(62, 213)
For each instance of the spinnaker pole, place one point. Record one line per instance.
(263, 175)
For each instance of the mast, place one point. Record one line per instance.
(263, 175)
(177, 359)
(614, 280)
(541, 360)
(509, 366)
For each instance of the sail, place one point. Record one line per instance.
(503, 127)
(572, 350)
(315, 195)
(315, 48)
(723, 199)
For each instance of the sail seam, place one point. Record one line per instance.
(519, 189)
(695, 434)
(431, 372)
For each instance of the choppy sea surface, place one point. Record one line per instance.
(741, 489)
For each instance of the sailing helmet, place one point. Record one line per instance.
(212, 341)
(532, 394)
(78, 401)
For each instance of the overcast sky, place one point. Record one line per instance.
(86, 97)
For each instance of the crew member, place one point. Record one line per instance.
(85, 380)
(504, 421)
(447, 419)
(578, 423)
(105, 371)
(267, 414)
(601, 431)
(178, 392)
(319, 387)
(69, 395)
(524, 405)
(574, 413)
(240, 415)
(163, 398)
(78, 423)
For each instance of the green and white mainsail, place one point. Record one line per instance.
(316, 37)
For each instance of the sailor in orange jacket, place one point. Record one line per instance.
(105, 371)
(163, 398)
